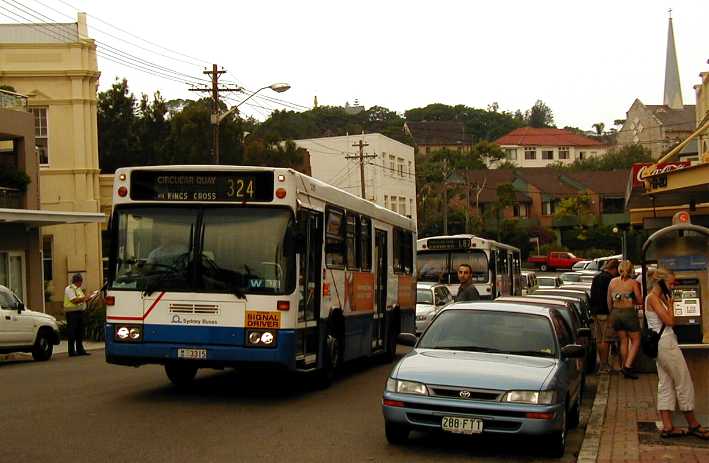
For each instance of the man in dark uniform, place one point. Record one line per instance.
(467, 291)
(600, 310)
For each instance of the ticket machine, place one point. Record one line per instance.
(684, 249)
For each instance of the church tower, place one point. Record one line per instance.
(673, 89)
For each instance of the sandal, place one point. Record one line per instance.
(674, 432)
(699, 432)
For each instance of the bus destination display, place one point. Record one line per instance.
(202, 186)
(443, 244)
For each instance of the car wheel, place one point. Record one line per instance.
(181, 375)
(42, 349)
(556, 442)
(396, 434)
(544, 268)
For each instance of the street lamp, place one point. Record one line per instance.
(218, 118)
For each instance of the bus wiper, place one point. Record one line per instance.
(217, 270)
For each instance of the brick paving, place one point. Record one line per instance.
(629, 435)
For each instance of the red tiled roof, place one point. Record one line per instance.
(530, 136)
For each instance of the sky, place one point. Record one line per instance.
(587, 60)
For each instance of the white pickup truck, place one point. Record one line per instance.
(24, 330)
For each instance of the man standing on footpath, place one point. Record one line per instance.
(600, 310)
(466, 291)
(74, 308)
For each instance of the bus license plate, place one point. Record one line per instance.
(459, 425)
(197, 354)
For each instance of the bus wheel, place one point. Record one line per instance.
(331, 363)
(181, 375)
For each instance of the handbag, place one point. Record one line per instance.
(650, 339)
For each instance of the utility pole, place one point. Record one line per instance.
(214, 75)
(361, 144)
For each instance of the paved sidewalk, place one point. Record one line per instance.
(629, 433)
(62, 349)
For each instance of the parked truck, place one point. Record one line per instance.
(554, 260)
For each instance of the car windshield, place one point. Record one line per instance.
(570, 277)
(424, 296)
(546, 281)
(442, 267)
(491, 331)
(221, 249)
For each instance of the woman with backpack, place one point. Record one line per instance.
(674, 386)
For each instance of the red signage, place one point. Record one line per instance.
(662, 168)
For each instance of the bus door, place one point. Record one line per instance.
(310, 273)
(493, 273)
(380, 277)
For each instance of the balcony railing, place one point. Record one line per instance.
(10, 198)
(13, 101)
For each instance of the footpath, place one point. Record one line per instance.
(623, 426)
(61, 349)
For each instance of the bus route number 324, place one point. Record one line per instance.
(240, 188)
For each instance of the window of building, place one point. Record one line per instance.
(511, 154)
(593, 154)
(530, 153)
(411, 207)
(400, 167)
(403, 251)
(41, 134)
(402, 206)
(547, 155)
(47, 242)
(393, 203)
(519, 210)
(548, 207)
(563, 152)
(582, 155)
(335, 238)
(386, 202)
(392, 164)
(613, 205)
(411, 170)
(384, 162)
(428, 149)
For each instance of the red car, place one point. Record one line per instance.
(554, 260)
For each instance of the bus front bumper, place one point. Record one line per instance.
(219, 351)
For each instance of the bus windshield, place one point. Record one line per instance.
(216, 249)
(442, 267)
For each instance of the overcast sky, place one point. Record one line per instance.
(587, 60)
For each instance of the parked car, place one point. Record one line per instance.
(577, 293)
(447, 381)
(430, 298)
(570, 277)
(580, 265)
(582, 286)
(597, 264)
(554, 260)
(24, 330)
(529, 282)
(549, 281)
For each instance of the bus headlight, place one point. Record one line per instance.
(261, 338)
(128, 333)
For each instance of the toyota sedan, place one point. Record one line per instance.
(488, 368)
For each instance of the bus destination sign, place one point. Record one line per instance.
(153, 185)
(442, 244)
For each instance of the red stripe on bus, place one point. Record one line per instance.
(145, 315)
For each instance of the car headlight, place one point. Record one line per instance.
(406, 387)
(530, 397)
(128, 333)
(261, 338)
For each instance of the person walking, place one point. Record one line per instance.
(674, 385)
(466, 291)
(600, 310)
(74, 309)
(623, 296)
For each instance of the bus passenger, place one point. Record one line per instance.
(466, 291)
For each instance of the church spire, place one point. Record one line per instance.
(673, 90)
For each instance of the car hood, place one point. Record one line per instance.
(40, 316)
(475, 369)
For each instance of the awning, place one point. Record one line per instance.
(675, 188)
(39, 218)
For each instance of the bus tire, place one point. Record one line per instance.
(180, 374)
(331, 363)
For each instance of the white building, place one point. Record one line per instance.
(539, 147)
(389, 168)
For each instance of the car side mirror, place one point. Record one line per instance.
(20, 307)
(583, 332)
(572, 351)
(407, 339)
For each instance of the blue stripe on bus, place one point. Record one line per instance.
(163, 343)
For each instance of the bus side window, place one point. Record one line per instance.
(335, 238)
(351, 241)
(403, 251)
(365, 235)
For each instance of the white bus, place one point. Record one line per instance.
(496, 266)
(218, 266)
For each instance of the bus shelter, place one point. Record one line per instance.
(684, 248)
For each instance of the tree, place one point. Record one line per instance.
(152, 129)
(539, 115)
(615, 159)
(599, 126)
(506, 196)
(118, 144)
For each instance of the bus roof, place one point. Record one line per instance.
(479, 242)
(307, 187)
